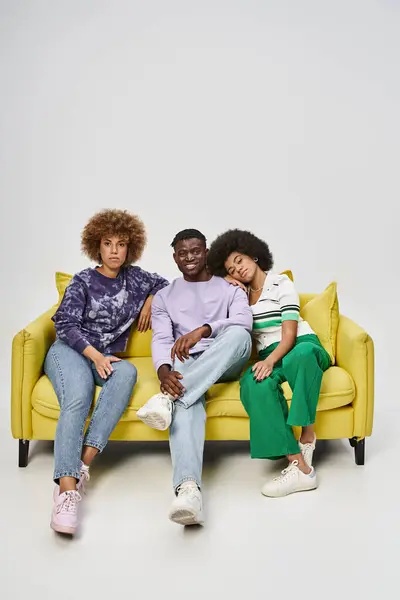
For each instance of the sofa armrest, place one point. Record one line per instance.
(29, 349)
(355, 354)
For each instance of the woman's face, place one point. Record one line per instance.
(241, 267)
(113, 251)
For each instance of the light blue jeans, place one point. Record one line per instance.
(74, 378)
(224, 360)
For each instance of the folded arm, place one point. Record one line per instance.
(239, 314)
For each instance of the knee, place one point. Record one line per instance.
(267, 386)
(300, 355)
(127, 371)
(239, 337)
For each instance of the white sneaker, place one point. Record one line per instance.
(289, 481)
(307, 451)
(187, 508)
(157, 412)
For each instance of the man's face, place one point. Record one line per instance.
(191, 257)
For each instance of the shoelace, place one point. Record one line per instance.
(70, 502)
(288, 472)
(307, 449)
(188, 490)
(84, 479)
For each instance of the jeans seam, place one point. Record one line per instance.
(93, 444)
(57, 363)
(60, 373)
(60, 474)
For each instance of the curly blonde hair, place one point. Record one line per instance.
(116, 222)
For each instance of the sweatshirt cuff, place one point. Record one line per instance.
(215, 328)
(81, 345)
(161, 362)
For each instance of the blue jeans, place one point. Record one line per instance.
(224, 360)
(74, 378)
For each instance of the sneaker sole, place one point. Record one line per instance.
(63, 529)
(185, 517)
(308, 489)
(154, 420)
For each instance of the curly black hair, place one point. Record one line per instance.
(237, 240)
(188, 234)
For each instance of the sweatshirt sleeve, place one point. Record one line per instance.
(68, 317)
(157, 283)
(163, 335)
(149, 283)
(288, 299)
(239, 314)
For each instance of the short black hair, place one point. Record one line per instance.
(237, 240)
(188, 234)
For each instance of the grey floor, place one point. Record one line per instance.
(343, 537)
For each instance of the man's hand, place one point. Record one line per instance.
(182, 346)
(263, 369)
(144, 321)
(169, 382)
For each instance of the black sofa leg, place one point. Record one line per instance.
(23, 453)
(359, 450)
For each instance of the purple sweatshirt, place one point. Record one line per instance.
(183, 306)
(98, 311)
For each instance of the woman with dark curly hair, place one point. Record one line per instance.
(93, 322)
(288, 350)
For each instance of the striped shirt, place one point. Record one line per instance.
(278, 302)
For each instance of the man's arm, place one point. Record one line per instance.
(163, 334)
(239, 313)
(162, 343)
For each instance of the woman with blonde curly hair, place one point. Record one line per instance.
(92, 323)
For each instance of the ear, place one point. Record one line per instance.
(174, 255)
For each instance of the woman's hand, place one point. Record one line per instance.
(103, 364)
(144, 321)
(263, 369)
(233, 281)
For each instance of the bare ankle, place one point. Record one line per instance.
(67, 484)
(88, 454)
(307, 435)
(302, 465)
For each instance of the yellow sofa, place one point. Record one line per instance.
(345, 407)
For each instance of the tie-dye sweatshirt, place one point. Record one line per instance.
(99, 311)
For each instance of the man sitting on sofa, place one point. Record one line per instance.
(201, 336)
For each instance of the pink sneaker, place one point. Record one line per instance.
(80, 486)
(84, 479)
(64, 518)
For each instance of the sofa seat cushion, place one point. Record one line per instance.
(44, 399)
(337, 389)
(223, 399)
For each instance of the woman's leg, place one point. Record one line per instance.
(72, 379)
(262, 400)
(111, 404)
(303, 368)
(270, 435)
